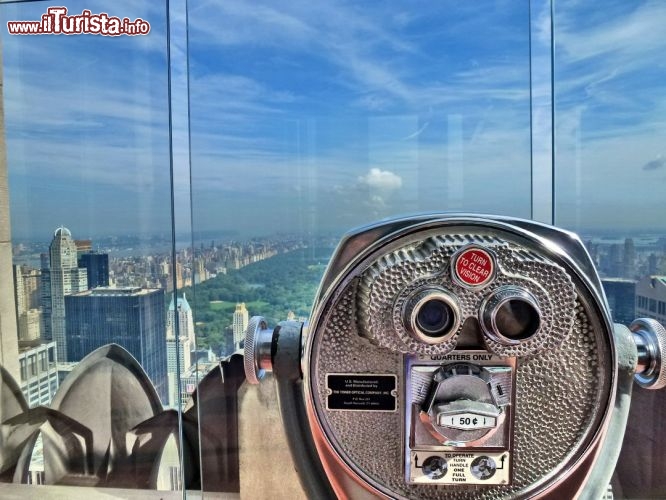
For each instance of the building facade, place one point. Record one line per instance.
(97, 268)
(651, 298)
(38, 373)
(133, 318)
(190, 378)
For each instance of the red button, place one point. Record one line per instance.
(474, 267)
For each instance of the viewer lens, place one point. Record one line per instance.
(517, 319)
(434, 318)
(510, 315)
(431, 315)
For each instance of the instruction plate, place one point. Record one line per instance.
(361, 392)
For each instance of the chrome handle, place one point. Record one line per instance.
(650, 338)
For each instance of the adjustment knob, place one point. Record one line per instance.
(257, 350)
(650, 338)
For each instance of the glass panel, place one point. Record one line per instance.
(610, 173)
(311, 118)
(88, 139)
(316, 118)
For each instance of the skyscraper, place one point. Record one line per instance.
(45, 298)
(65, 277)
(97, 268)
(131, 317)
(180, 319)
(241, 319)
(629, 260)
(615, 267)
(621, 295)
(19, 291)
(653, 264)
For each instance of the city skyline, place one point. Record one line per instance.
(189, 256)
(38, 291)
(615, 257)
(624, 258)
(394, 115)
(123, 303)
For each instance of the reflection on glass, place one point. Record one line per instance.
(87, 150)
(313, 118)
(609, 180)
(338, 115)
(609, 94)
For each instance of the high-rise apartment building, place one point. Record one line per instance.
(241, 319)
(64, 277)
(83, 246)
(30, 326)
(651, 298)
(180, 344)
(45, 299)
(19, 293)
(133, 318)
(200, 271)
(97, 268)
(27, 290)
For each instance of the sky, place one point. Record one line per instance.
(317, 116)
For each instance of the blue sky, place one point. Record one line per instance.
(339, 115)
(310, 116)
(87, 127)
(611, 114)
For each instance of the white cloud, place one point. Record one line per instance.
(624, 38)
(381, 179)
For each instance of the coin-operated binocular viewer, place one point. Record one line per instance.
(457, 357)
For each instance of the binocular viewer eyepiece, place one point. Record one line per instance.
(432, 315)
(457, 356)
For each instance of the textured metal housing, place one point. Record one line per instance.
(387, 283)
(565, 372)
